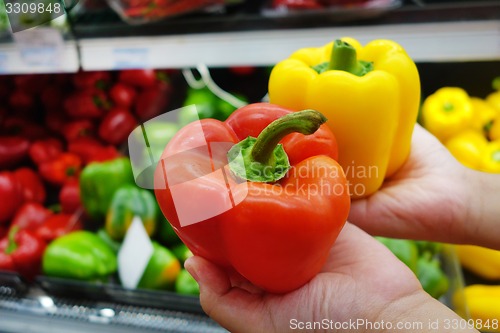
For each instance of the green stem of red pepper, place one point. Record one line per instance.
(263, 159)
(12, 245)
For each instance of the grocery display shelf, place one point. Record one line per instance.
(41, 313)
(459, 31)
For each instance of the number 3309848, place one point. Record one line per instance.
(33, 8)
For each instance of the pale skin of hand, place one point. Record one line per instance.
(361, 280)
(433, 197)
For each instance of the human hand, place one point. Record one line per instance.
(362, 280)
(432, 197)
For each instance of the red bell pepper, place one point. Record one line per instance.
(31, 184)
(77, 129)
(21, 101)
(69, 197)
(116, 126)
(52, 97)
(32, 84)
(99, 80)
(13, 150)
(91, 150)
(55, 120)
(89, 103)
(58, 225)
(152, 101)
(42, 151)
(21, 127)
(277, 232)
(30, 216)
(11, 196)
(21, 251)
(122, 95)
(142, 78)
(59, 170)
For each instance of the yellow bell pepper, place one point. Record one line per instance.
(468, 148)
(494, 100)
(494, 130)
(483, 114)
(491, 158)
(479, 260)
(483, 302)
(447, 112)
(371, 103)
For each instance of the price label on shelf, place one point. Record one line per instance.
(131, 57)
(40, 47)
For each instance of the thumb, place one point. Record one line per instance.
(232, 307)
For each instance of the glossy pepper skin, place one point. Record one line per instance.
(490, 161)
(430, 275)
(79, 255)
(21, 251)
(30, 216)
(161, 271)
(31, 184)
(447, 112)
(100, 180)
(185, 284)
(13, 150)
(11, 196)
(57, 225)
(262, 236)
(468, 148)
(372, 112)
(61, 169)
(127, 202)
(483, 303)
(404, 250)
(479, 260)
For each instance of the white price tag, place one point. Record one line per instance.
(40, 47)
(131, 57)
(134, 254)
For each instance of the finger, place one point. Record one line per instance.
(355, 247)
(234, 308)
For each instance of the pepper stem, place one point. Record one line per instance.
(306, 122)
(344, 58)
(263, 159)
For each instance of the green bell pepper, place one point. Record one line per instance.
(207, 104)
(100, 180)
(113, 245)
(79, 255)
(129, 201)
(186, 284)
(431, 276)
(404, 250)
(162, 269)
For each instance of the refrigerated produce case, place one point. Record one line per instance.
(454, 43)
